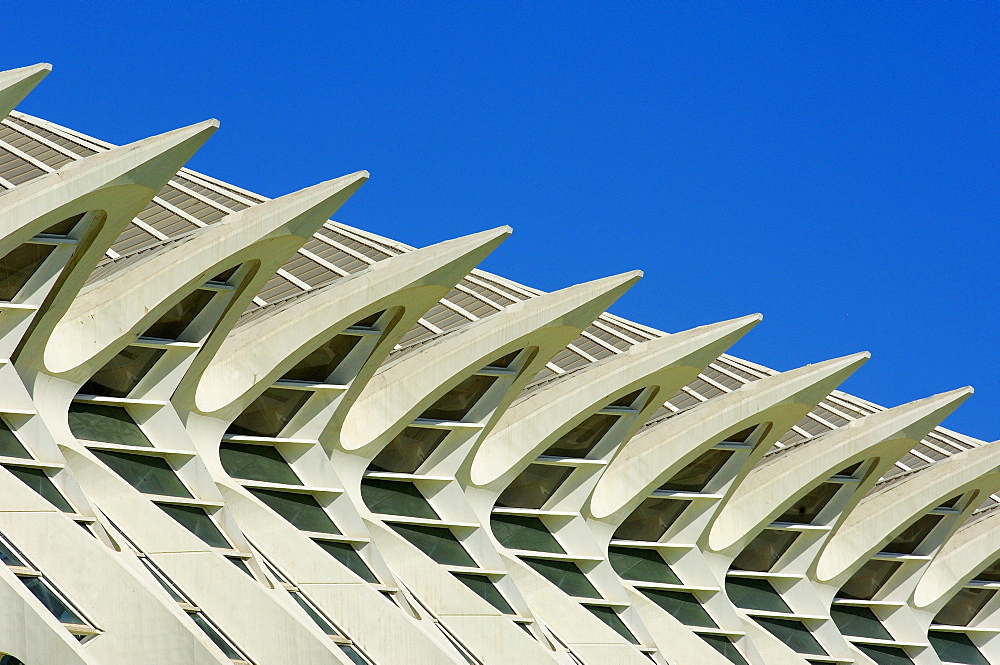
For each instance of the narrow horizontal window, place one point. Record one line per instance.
(270, 413)
(524, 533)
(408, 450)
(650, 520)
(123, 372)
(956, 648)
(579, 441)
(39, 481)
(697, 474)
(885, 655)
(252, 462)
(871, 577)
(534, 486)
(17, 267)
(10, 445)
(146, 473)
(682, 605)
(458, 401)
(726, 647)
(438, 543)
(808, 507)
(858, 622)
(751, 594)
(390, 497)
(613, 621)
(641, 565)
(765, 550)
(197, 521)
(217, 638)
(913, 535)
(963, 607)
(301, 510)
(315, 615)
(321, 363)
(347, 555)
(176, 320)
(485, 589)
(105, 423)
(793, 633)
(52, 602)
(565, 575)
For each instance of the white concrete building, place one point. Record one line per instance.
(233, 431)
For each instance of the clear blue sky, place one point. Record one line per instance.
(831, 165)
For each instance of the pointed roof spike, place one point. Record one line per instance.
(15, 84)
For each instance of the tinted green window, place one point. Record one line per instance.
(270, 413)
(651, 519)
(390, 497)
(10, 660)
(17, 267)
(885, 655)
(108, 424)
(485, 589)
(611, 618)
(871, 577)
(964, 606)
(438, 543)
(641, 565)
(302, 510)
(524, 533)
(408, 450)
(319, 365)
(807, 508)
(765, 550)
(724, 646)
(682, 605)
(956, 648)
(250, 462)
(213, 634)
(534, 486)
(146, 473)
(564, 574)
(580, 440)
(460, 399)
(698, 473)
(913, 535)
(7, 556)
(991, 573)
(60, 610)
(753, 594)
(176, 320)
(123, 372)
(858, 622)
(354, 655)
(10, 445)
(795, 635)
(317, 618)
(197, 521)
(347, 555)
(39, 481)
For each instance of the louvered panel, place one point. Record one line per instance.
(592, 348)
(213, 194)
(165, 221)
(277, 288)
(34, 148)
(417, 333)
(723, 378)
(58, 139)
(471, 303)
(444, 318)
(190, 205)
(371, 252)
(16, 170)
(569, 360)
(309, 271)
(488, 294)
(132, 239)
(705, 389)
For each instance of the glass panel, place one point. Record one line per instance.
(865, 583)
(242, 565)
(319, 365)
(956, 648)
(180, 316)
(793, 634)
(123, 372)
(755, 595)
(19, 265)
(301, 510)
(913, 535)
(317, 618)
(627, 400)
(524, 533)
(8, 558)
(269, 413)
(534, 486)
(506, 360)
(885, 655)
(964, 606)
(438, 543)
(148, 474)
(197, 521)
(650, 520)
(353, 655)
(60, 610)
(611, 618)
(682, 605)
(167, 585)
(486, 590)
(579, 441)
(408, 450)
(806, 508)
(460, 399)
(107, 424)
(64, 227)
(10, 445)
(641, 565)
(10, 660)
(741, 436)
(390, 497)
(858, 622)
(565, 575)
(698, 473)
(991, 573)
(724, 646)
(250, 462)
(39, 481)
(202, 622)
(764, 550)
(347, 555)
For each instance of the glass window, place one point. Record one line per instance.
(911, 537)
(17, 267)
(485, 589)
(964, 606)
(320, 364)
(871, 577)
(505, 361)
(64, 227)
(104, 423)
(793, 633)
(807, 507)
(765, 550)
(991, 573)
(725, 646)
(611, 618)
(7, 556)
(460, 399)
(438, 543)
(270, 413)
(10, 445)
(534, 486)
(408, 450)
(60, 610)
(641, 565)
(698, 473)
(146, 473)
(123, 372)
(956, 648)
(302, 510)
(885, 655)
(242, 565)
(167, 585)
(10, 660)
(213, 634)
(524, 533)
(176, 320)
(197, 521)
(650, 520)
(314, 614)
(682, 605)
(564, 574)
(391, 497)
(262, 463)
(627, 400)
(579, 441)
(753, 594)
(347, 555)
(39, 481)
(858, 622)
(353, 655)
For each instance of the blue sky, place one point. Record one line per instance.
(831, 165)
